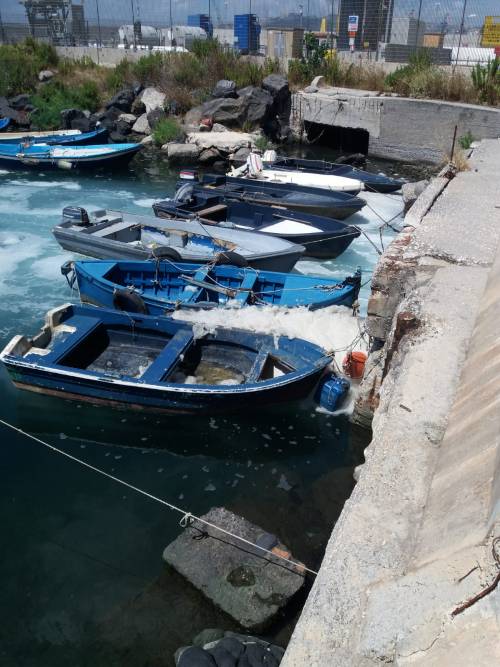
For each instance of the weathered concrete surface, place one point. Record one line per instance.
(400, 128)
(415, 539)
(246, 583)
(224, 141)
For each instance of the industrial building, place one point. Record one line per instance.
(409, 31)
(60, 22)
(374, 23)
(246, 33)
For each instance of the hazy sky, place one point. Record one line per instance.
(157, 11)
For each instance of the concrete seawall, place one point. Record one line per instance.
(417, 537)
(399, 128)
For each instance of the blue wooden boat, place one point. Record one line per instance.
(318, 201)
(142, 362)
(108, 234)
(4, 122)
(372, 182)
(157, 288)
(66, 157)
(321, 237)
(61, 138)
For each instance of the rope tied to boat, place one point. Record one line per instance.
(187, 517)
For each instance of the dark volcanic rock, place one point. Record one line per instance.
(155, 116)
(278, 126)
(117, 138)
(259, 103)
(69, 115)
(6, 111)
(83, 124)
(224, 88)
(138, 107)
(123, 100)
(123, 128)
(195, 657)
(229, 111)
(19, 101)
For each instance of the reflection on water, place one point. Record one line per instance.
(82, 577)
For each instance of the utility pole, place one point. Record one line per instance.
(418, 23)
(133, 24)
(331, 26)
(2, 31)
(308, 22)
(460, 34)
(99, 41)
(171, 24)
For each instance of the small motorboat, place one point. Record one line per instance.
(4, 123)
(321, 237)
(60, 137)
(318, 201)
(371, 182)
(157, 288)
(136, 361)
(66, 157)
(106, 234)
(256, 169)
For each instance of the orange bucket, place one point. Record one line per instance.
(354, 364)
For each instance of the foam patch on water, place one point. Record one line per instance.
(16, 248)
(49, 268)
(71, 185)
(145, 203)
(332, 328)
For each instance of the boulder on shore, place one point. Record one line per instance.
(45, 75)
(224, 142)
(155, 116)
(152, 98)
(141, 125)
(224, 88)
(187, 153)
(122, 100)
(69, 115)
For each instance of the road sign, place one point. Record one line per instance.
(491, 32)
(352, 23)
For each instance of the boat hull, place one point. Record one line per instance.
(98, 283)
(135, 361)
(104, 249)
(34, 160)
(83, 139)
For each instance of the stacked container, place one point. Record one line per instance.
(246, 33)
(201, 21)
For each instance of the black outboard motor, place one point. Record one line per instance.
(76, 216)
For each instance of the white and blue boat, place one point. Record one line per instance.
(133, 361)
(322, 237)
(106, 234)
(158, 288)
(371, 182)
(59, 137)
(66, 157)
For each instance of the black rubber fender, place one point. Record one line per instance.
(228, 257)
(166, 252)
(129, 301)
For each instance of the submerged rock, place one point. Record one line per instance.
(246, 583)
(181, 152)
(229, 650)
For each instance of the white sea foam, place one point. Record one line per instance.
(27, 183)
(49, 268)
(145, 203)
(332, 328)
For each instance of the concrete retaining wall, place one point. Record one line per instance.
(416, 538)
(400, 128)
(109, 57)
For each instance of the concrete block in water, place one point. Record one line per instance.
(249, 585)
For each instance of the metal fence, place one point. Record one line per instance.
(460, 32)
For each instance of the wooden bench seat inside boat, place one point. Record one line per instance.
(213, 212)
(83, 327)
(168, 357)
(109, 230)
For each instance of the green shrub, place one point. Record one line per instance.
(486, 80)
(466, 140)
(55, 96)
(167, 130)
(21, 63)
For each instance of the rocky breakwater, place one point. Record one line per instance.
(228, 125)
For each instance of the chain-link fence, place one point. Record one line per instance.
(450, 32)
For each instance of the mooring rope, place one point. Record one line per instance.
(187, 517)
